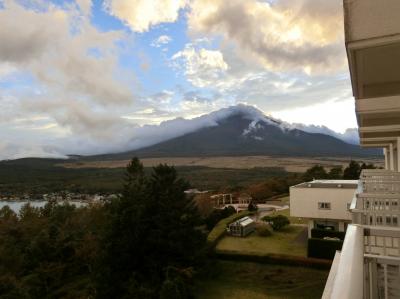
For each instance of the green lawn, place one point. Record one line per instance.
(293, 220)
(291, 241)
(246, 280)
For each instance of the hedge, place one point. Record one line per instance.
(219, 230)
(323, 249)
(322, 233)
(275, 259)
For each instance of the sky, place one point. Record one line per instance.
(86, 77)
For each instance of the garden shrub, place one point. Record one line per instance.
(323, 249)
(277, 222)
(263, 231)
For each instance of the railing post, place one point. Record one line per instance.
(349, 284)
(391, 153)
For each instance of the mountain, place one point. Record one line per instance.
(243, 132)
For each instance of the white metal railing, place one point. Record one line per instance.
(379, 174)
(382, 262)
(379, 181)
(348, 281)
(375, 211)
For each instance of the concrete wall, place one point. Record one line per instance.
(371, 18)
(304, 202)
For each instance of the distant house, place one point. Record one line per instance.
(324, 202)
(244, 198)
(242, 227)
(222, 199)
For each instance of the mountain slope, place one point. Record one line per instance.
(242, 134)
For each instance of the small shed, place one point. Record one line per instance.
(242, 227)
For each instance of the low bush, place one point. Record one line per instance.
(277, 222)
(275, 259)
(252, 207)
(218, 214)
(263, 231)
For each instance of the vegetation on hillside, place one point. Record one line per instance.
(351, 172)
(40, 176)
(144, 244)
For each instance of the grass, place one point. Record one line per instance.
(220, 227)
(246, 280)
(293, 220)
(289, 241)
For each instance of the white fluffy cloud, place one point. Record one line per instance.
(140, 15)
(161, 40)
(72, 68)
(283, 35)
(201, 67)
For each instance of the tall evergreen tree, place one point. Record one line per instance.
(315, 172)
(152, 228)
(352, 172)
(336, 173)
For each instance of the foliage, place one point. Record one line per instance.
(217, 215)
(263, 231)
(352, 172)
(323, 249)
(142, 244)
(49, 252)
(277, 222)
(40, 176)
(335, 173)
(252, 207)
(315, 172)
(152, 228)
(272, 187)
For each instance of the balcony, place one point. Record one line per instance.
(369, 264)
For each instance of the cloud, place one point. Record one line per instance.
(161, 40)
(283, 35)
(350, 135)
(201, 67)
(140, 15)
(69, 68)
(22, 144)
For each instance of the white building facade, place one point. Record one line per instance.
(325, 203)
(369, 264)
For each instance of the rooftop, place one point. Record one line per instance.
(344, 184)
(243, 221)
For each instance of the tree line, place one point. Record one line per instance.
(351, 172)
(147, 243)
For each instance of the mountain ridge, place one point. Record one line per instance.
(246, 132)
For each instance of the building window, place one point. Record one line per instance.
(324, 205)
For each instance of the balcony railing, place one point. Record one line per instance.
(372, 242)
(368, 265)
